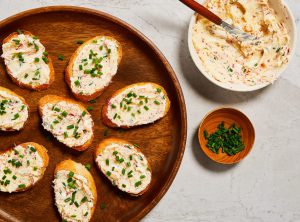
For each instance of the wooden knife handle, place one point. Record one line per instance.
(202, 11)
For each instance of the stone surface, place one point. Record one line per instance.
(263, 187)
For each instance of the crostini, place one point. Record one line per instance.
(124, 165)
(75, 191)
(67, 120)
(92, 67)
(27, 62)
(14, 111)
(135, 105)
(22, 166)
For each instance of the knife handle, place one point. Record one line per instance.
(202, 11)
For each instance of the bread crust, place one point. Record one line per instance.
(79, 169)
(28, 86)
(42, 151)
(23, 100)
(69, 72)
(55, 99)
(104, 143)
(104, 112)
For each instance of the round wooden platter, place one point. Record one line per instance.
(163, 142)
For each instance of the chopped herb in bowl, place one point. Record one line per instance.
(227, 139)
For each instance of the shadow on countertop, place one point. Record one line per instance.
(201, 84)
(204, 161)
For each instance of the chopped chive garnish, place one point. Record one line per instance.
(16, 116)
(83, 113)
(22, 186)
(84, 199)
(146, 108)
(108, 173)
(156, 102)
(90, 108)
(227, 139)
(64, 113)
(36, 59)
(79, 42)
(107, 162)
(158, 90)
(44, 58)
(17, 41)
(61, 57)
(142, 176)
(88, 166)
(70, 127)
(123, 185)
(67, 200)
(123, 171)
(71, 174)
(113, 106)
(137, 184)
(77, 83)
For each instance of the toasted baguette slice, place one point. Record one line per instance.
(75, 191)
(124, 165)
(14, 111)
(136, 104)
(67, 120)
(22, 166)
(92, 67)
(27, 62)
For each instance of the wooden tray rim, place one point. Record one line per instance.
(161, 57)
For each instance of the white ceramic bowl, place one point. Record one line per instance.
(284, 14)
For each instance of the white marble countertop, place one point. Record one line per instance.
(264, 186)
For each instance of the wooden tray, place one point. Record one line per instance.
(163, 143)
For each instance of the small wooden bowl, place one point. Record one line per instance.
(228, 116)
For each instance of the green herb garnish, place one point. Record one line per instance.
(61, 57)
(88, 166)
(228, 139)
(103, 206)
(22, 186)
(16, 116)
